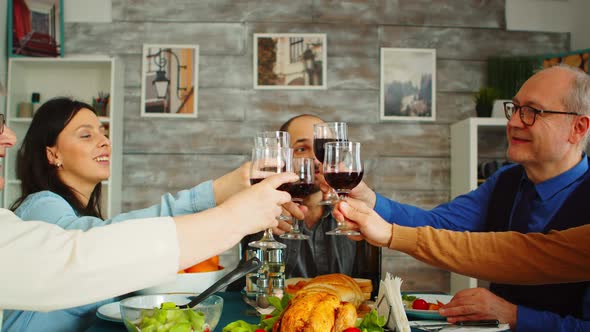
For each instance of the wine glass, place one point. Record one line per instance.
(280, 139)
(343, 170)
(266, 161)
(272, 138)
(305, 186)
(322, 134)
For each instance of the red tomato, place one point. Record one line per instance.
(268, 316)
(352, 329)
(420, 304)
(259, 330)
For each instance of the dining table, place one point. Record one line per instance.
(234, 308)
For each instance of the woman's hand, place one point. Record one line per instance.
(231, 183)
(256, 208)
(372, 227)
(361, 192)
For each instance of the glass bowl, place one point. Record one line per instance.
(141, 312)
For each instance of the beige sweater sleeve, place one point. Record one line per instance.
(506, 257)
(46, 268)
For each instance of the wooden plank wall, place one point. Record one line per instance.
(406, 161)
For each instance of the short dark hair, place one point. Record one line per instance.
(285, 126)
(32, 165)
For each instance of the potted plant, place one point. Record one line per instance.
(484, 101)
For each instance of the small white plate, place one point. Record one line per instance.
(110, 312)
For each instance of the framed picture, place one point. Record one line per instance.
(578, 59)
(37, 28)
(408, 84)
(169, 80)
(290, 61)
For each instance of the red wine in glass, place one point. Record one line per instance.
(299, 191)
(343, 170)
(305, 186)
(343, 181)
(325, 133)
(318, 147)
(266, 161)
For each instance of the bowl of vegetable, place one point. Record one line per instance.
(168, 312)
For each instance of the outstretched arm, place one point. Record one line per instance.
(499, 257)
(44, 261)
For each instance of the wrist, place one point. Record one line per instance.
(218, 191)
(371, 199)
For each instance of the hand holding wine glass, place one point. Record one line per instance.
(343, 170)
(260, 204)
(266, 161)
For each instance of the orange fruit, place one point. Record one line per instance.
(211, 264)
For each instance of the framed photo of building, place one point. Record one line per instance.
(169, 80)
(290, 61)
(37, 28)
(408, 84)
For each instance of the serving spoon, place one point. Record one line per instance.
(240, 271)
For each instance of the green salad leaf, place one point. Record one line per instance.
(406, 297)
(169, 318)
(240, 326)
(266, 321)
(372, 322)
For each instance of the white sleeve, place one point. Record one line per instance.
(47, 268)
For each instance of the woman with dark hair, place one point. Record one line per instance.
(61, 163)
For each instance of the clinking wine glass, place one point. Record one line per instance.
(276, 139)
(324, 133)
(272, 138)
(266, 161)
(305, 186)
(343, 170)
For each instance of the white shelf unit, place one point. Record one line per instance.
(79, 78)
(464, 161)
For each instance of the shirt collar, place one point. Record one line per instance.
(549, 188)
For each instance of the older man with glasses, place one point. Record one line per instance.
(547, 188)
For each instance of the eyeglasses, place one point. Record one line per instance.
(528, 114)
(2, 123)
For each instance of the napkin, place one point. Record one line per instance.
(390, 305)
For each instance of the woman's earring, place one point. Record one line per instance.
(57, 164)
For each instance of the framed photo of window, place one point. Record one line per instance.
(170, 80)
(408, 84)
(290, 61)
(37, 28)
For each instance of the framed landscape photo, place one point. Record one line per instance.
(408, 84)
(169, 80)
(290, 61)
(37, 28)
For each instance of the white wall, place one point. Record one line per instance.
(551, 15)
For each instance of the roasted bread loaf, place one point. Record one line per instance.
(325, 303)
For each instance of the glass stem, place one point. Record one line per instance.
(295, 228)
(267, 236)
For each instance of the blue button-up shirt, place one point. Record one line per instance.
(469, 212)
